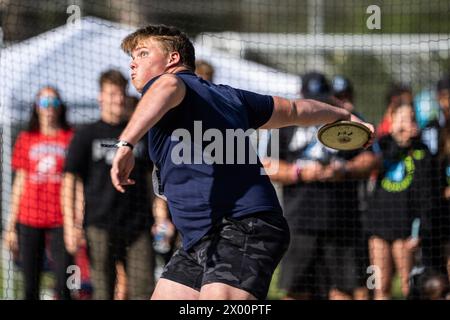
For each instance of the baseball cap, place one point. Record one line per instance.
(315, 86)
(342, 87)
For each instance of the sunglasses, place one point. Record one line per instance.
(47, 102)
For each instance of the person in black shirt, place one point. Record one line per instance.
(443, 246)
(402, 195)
(343, 90)
(434, 120)
(117, 226)
(321, 206)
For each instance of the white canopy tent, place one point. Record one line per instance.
(408, 56)
(71, 57)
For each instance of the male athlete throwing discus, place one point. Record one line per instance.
(234, 233)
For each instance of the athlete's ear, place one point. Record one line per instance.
(174, 59)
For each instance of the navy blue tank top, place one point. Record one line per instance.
(205, 172)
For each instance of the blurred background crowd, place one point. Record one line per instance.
(369, 224)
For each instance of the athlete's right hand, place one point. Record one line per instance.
(122, 165)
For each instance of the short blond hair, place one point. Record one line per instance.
(170, 38)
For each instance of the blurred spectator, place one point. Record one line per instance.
(342, 89)
(120, 291)
(433, 117)
(38, 160)
(443, 93)
(443, 230)
(402, 194)
(117, 226)
(430, 119)
(163, 231)
(320, 202)
(305, 195)
(130, 104)
(204, 70)
(397, 94)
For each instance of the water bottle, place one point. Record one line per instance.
(415, 229)
(160, 242)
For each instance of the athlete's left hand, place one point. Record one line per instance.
(122, 165)
(369, 126)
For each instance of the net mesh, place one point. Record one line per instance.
(346, 235)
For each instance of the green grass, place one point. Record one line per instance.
(396, 289)
(47, 282)
(275, 293)
(1, 280)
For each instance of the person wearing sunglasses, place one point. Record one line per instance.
(36, 218)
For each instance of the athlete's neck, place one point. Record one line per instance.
(177, 69)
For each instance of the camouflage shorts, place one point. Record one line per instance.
(241, 252)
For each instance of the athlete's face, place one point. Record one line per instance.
(148, 61)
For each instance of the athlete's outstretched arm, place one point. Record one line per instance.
(166, 93)
(306, 112)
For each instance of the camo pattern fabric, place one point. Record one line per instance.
(240, 252)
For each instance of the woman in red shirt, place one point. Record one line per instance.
(36, 217)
